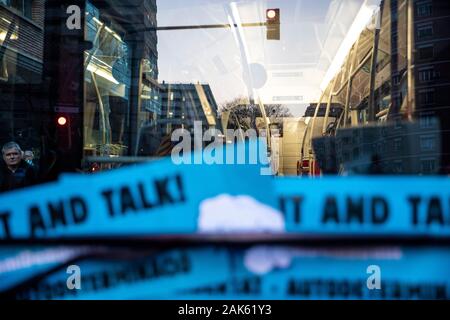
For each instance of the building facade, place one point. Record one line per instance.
(21, 63)
(101, 77)
(398, 70)
(185, 103)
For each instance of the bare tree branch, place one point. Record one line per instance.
(243, 114)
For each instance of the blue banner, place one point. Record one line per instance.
(258, 272)
(119, 277)
(366, 206)
(348, 273)
(154, 198)
(18, 265)
(163, 198)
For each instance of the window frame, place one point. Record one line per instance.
(25, 9)
(424, 142)
(426, 74)
(424, 97)
(421, 57)
(424, 9)
(425, 27)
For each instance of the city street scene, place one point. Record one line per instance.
(225, 150)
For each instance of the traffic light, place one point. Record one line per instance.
(273, 24)
(64, 132)
(62, 121)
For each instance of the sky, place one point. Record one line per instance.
(289, 71)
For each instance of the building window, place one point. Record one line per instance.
(3, 70)
(428, 121)
(397, 99)
(428, 74)
(425, 75)
(424, 9)
(107, 82)
(424, 31)
(426, 52)
(426, 97)
(396, 80)
(394, 37)
(394, 15)
(398, 144)
(346, 156)
(428, 166)
(427, 143)
(23, 6)
(398, 166)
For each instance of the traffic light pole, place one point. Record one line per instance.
(203, 26)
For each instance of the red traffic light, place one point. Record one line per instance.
(63, 132)
(273, 16)
(62, 121)
(271, 13)
(273, 24)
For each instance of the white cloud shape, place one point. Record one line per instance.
(227, 214)
(263, 259)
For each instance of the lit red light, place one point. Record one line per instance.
(62, 121)
(271, 14)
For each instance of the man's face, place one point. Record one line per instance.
(12, 157)
(28, 155)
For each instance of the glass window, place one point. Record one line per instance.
(398, 144)
(424, 9)
(427, 143)
(428, 121)
(426, 74)
(398, 99)
(394, 37)
(23, 6)
(107, 86)
(424, 31)
(426, 97)
(396, 80)
(426, 52)
(398, 166)
(428, 166)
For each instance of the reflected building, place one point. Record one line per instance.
(21, 63)
(395, 148)
(185, 103)
(431, 72)
(121, 75)
(101, 77)
(398, 70)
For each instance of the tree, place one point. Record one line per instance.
(243, 114)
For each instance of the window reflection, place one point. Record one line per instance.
(107, 87)
(135, 72)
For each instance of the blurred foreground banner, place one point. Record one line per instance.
(228, 202)
(366, 205)
(154, 198)
(252, 272)
(163, 198)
